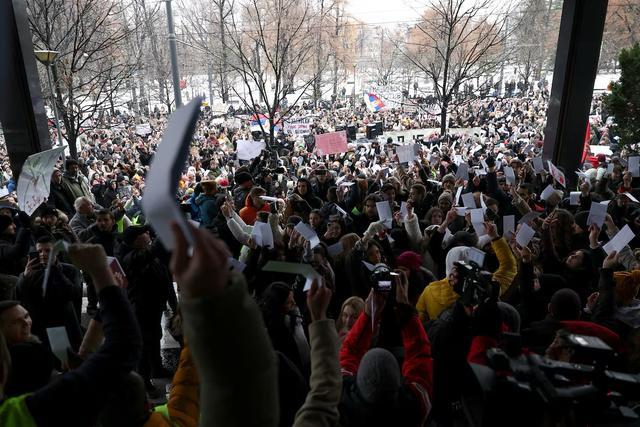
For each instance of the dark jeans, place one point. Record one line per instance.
(151, 362)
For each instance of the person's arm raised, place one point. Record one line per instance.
(218, 310)
(78, 396)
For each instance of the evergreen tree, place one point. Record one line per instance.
(624, 101)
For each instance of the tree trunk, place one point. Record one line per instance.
(443, 117)
(224, 85)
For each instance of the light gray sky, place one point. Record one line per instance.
(387, 13)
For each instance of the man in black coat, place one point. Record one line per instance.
(149, 289)
(55, 303)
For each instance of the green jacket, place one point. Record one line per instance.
(14, 412)
(234, 358)
(237, 365)
(320, 409)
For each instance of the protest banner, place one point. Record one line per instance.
(143, 129)
(331, 143)
(249, 150)
(300, 126)
(35, 178)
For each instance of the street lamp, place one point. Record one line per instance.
(353, 90)
(47, 58)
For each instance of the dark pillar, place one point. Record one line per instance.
(574, 74)
(22, 113)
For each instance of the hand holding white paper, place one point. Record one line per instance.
(620, 240)
(158, 202)
(525, 234)
(59, 342)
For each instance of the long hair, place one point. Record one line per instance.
(273, 299)
(356, 303)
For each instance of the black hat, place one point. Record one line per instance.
(242, 177)
(131, 233)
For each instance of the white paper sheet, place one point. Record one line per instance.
(403, 210)
(308, 234)
(385, 214)
(597, 214)
(468, 201)
(35, 178)
(574, 198)
(405, 153)
(508, 226)
(525, 234)
(528, 217)
(59, 342)
(477, 221)
(461, 211)
(547, 192)
(630, 196)
(557, 174)
(294, 268)
(620, 240)
(456, 199)
(463, 171)
(159, 203)
(634, 166)
(510, 175)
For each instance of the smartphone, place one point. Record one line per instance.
(33, 255)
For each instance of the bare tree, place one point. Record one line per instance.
(93, 64)
(273, 46)
(621, 30)
(206, 30)
(457, 41)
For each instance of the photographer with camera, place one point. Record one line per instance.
(440, 295)
(377, 390)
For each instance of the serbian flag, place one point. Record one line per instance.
(587, 138)
(260, 119)
(374, 103)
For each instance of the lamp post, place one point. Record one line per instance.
(353, 90)
(47, 58)
(177, 94)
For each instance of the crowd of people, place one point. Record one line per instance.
(418, 274)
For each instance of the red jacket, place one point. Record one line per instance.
(249, 213)
(417, 369)
(480, 344)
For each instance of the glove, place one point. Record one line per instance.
(24, 219)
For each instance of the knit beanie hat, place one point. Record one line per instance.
(445, 196)
(378, 378)
(510, 316)
(5, 222)
(409, 259)
(627, 283)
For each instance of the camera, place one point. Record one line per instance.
(526, 389)
(474, 285)
(382, 281)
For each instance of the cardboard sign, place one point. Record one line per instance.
(331, 143)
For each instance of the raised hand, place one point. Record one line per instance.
(204, 273)
(318, 299)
